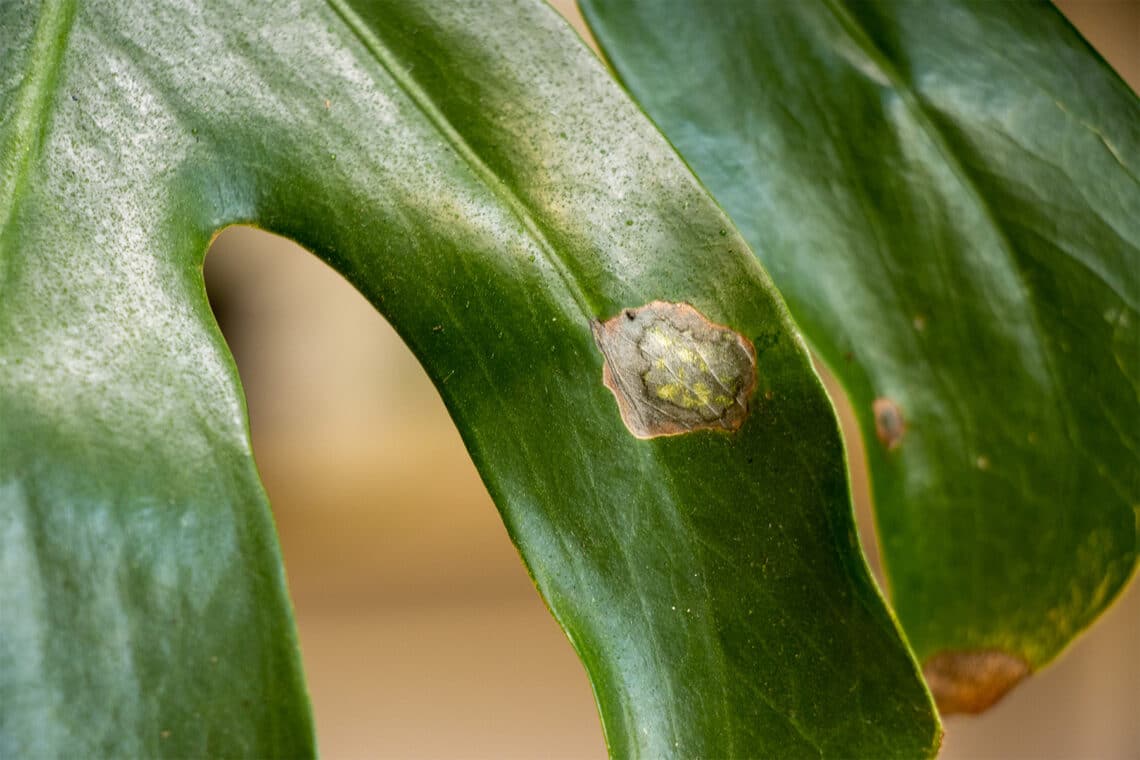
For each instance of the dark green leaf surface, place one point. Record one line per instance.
(947, 195)
(477, 175)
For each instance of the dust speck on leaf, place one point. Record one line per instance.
(674, 371)
(889, 424)
(972, 681)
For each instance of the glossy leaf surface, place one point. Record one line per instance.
(476, 174)
(947, 194)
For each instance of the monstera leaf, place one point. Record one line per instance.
(948, 195)
(626, 378)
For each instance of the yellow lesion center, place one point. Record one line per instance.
(680, 374)
(695, 396)
(673, 371)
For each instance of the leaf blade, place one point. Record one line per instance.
(941, 191)
(409, 146)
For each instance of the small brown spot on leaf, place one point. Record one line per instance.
(972, 681)
(889, 425)
(673, 371)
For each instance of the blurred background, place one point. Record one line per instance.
(421, 633)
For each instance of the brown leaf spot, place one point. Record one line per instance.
(673, 371)
(972, 681)
(889, 425)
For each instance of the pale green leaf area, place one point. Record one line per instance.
(948, 194)
(473, 170)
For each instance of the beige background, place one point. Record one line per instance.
(421, 633)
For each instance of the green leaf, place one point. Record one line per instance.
(947, 195)
(475, 173)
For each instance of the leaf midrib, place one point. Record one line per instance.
(31, 112)
(859, 36)
(423, 101)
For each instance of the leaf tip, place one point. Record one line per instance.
(972, 681)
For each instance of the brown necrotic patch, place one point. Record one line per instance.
(889, 425)
(972, 681)
(674, 371)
